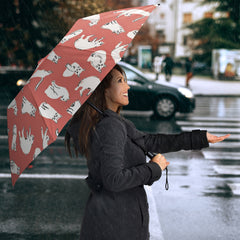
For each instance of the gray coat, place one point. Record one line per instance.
(117, 207)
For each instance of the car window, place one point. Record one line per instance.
(133, 78)
(133, 83)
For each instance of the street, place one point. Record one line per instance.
(203, 199)
(202, 202)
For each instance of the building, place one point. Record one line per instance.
(168, 22)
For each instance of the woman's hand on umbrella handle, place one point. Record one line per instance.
(160, 160)
(214, 139)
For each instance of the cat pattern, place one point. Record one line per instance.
(128, 13)
(14, 168)
(52, 56)
(36, 153)
(117, 50)
(98, 59)
(73, 68)
(28, 107)
(114, 27)
(74, 107)
(132, 34)
(94, 19)
(14, 138)
(54, 92)
(40, 74)
(72, 35)
(47, 111)
(88, 83)
(26, 142)
(13, 105)
(45, 138)
(84, 43)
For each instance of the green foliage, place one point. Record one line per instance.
(32, 29)
(217, 33)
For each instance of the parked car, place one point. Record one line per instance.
(163, 98)
(11, 81)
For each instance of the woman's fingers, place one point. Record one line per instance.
(161, 161)
(214, 139)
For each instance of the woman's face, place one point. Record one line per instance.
(117, 94)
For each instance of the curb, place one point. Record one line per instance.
(203, 86)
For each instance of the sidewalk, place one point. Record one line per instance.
(204, 86)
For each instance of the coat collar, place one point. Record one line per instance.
(130, 127)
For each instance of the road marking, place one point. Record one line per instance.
(131, 113)
(209, 124)
(154, 223)
(216, 155)
(210, 119)
(4, 137)
(46, 176)
(227, 170)
(225, 144)
(235, 187)
(215, 129)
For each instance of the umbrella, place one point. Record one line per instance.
(65, 78)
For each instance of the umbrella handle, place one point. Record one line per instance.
(94, 107)
(151, 155)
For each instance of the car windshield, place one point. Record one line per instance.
(134, 78)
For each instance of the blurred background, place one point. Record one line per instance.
(203, 200)
(206, 30)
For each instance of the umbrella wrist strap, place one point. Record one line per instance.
(151, 155)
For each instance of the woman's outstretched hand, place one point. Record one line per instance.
(214, 139)
(160, 160)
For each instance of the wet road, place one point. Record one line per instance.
(202, 202)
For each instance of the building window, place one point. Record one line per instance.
(162, 16)
(187, 18)
(208, 15)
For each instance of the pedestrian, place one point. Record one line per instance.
(189, 70)
(117, 206)
(168, 66)
(157, 63)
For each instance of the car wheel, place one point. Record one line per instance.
(165, 107)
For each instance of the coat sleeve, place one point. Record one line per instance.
(163, 143)
(115, 177)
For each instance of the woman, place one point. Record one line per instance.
(117, 207)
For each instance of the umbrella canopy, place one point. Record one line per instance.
(65, 78)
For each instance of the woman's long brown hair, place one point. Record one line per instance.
(87, 117)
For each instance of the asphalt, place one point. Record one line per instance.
(203, 85)
(200, 86)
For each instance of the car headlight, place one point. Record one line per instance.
(186, 92)
(21, 83)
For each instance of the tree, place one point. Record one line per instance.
(219, 32)
(29, 29)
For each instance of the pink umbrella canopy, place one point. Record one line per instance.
(65, 78)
